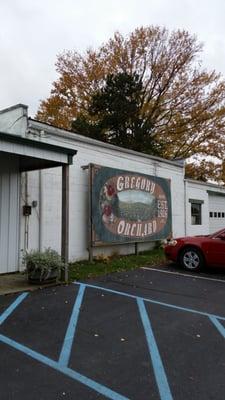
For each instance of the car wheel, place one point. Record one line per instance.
(191, 259)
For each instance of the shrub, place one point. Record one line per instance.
(43, 265)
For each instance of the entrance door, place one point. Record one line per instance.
(9, 213)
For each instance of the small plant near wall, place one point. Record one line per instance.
(43, 266)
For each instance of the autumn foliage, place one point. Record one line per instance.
(206, 170)
(182, 102)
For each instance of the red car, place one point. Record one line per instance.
(195, 252)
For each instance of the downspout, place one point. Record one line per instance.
(185, 207)
(26, 231)
(40, 228)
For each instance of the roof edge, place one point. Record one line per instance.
(84, 139)
(202, 183)
(43, 145)
(19, 105)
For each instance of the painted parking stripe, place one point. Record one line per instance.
(218, 325)
(12, 307)
(69, 337)
(159, 371)
(191, 310)
(110, 394)
(185, 275)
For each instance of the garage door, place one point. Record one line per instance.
(216, 212)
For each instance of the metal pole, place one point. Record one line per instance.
(65, 220)
(90, 248)
(136, 248)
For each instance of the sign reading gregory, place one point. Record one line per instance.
(128, 207)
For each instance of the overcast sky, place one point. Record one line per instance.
(33, 32)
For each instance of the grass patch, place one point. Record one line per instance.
(85, 269)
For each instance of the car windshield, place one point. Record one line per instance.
(217, 233)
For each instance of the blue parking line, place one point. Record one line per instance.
(160, 303)
(69, 337)
(159, 371)
(12, 307)
(218, 325)
(110, 394)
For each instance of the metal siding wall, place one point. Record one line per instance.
(9, 214)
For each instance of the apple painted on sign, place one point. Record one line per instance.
(130, 206)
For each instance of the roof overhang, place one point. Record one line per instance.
(35, 154)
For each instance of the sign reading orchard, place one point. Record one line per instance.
(128, 207)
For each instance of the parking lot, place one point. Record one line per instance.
(146, 334)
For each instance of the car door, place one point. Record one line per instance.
(215, 250)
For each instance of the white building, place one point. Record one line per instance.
(32, 158)
(204, 207)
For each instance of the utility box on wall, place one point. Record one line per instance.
(26, 210)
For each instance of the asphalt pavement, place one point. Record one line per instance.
(146, 334)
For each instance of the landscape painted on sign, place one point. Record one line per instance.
(130, 207)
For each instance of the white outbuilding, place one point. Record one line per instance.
(204, 207)
(80, 196)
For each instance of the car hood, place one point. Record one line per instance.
(192, 238)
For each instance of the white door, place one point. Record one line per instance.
(9, 213)
(216, 212)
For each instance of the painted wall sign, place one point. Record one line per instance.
(128, 207)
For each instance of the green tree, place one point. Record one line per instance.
(114, 115)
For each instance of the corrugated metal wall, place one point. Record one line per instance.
(9, 213)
